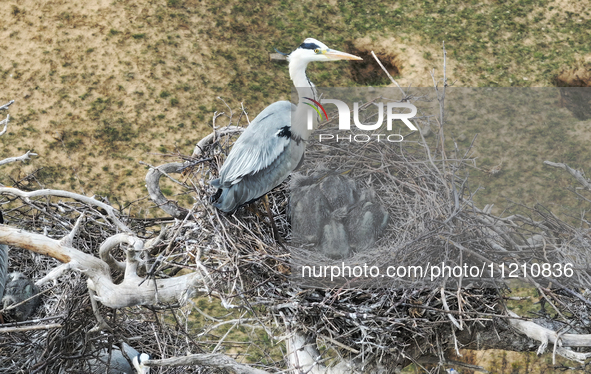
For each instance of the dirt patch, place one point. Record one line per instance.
(575, 100)
(410, 61)
(369, 72)
(581, 131)
(576, 76)
(578, 8)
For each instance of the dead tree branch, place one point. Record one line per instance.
(579, 176)
(131, 291)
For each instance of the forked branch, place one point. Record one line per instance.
(131, 291)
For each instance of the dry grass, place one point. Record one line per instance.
(100, 85)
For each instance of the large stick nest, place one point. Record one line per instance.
(432, 216)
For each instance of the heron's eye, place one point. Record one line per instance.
(316, 51)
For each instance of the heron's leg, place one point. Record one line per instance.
(270, 214)
(252, 208)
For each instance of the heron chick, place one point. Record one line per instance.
(19, 288)
(273, 145)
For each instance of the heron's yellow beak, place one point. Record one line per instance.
(331, 54)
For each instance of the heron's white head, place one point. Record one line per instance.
(314, 50)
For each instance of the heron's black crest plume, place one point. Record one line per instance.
(309, 46)
(281, 53)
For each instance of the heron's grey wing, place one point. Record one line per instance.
(253, 186)
(267, 137)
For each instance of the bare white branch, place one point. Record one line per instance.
(25, 157)
(54, 274)
(7, 119)
(131, 291)
(5, 106)
(69, 239)
(71, 195)
(305, 358)
(387, 73)
(5, 123)
(205, 142)
(579, 176)
(113, 241)
(545, 336)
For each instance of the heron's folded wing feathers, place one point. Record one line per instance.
(260, 144)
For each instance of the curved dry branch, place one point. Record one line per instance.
(5, 106)
(153, 185)
(5, 123)
(71, 195)
(113, 241)
(131, 291)
(545, 336)
(211, 138)
(7, 119)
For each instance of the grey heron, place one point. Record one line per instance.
(340, 190)
(367, 220)
(273, 144)
(309, 210)
(335, 238)
(19, 288)
(14, 289)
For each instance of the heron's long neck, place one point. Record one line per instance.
(305, 88)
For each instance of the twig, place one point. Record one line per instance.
(579, 176)
(5, 106)
(388, 74)
(7, 330)
(71, 195)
